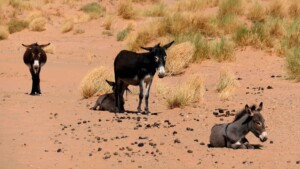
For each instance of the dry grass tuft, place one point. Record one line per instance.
(16, 25)
(292, 38)
(94, 82)
(179, 57)
(94, 10)
(123, 34)
(293, 64)
(33, 15)
(195, 5)
(157, 10)
(140, 38)
(230, 7)
(189, 92)
(38, 24)
(125, 9)
(108, 22)
(294, 9)
(277, 9)
(3, 32)
(78, 31)
(223, 51)
(226, 84)
(68, 26)
(20, 4)
(256, 12)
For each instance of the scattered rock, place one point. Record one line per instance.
(190, 151)
(271, 142)
(298, 162)
(99, 149)
(269, 87)
(58, 150)
(141, 144)
(202, 143)
(174, 133)
(215, 113)
(177, 141)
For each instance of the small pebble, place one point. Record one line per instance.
(190, 151)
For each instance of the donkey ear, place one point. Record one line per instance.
(147, 48)
(168, 45)
(110, 83)
(248, 110)
(44, 45)
(260, 107)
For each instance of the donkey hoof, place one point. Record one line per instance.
(139, 112)
(148, 113)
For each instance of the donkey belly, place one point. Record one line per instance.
(217, 136)
(108, 103)
(131, 81)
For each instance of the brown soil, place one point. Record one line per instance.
(57, 130)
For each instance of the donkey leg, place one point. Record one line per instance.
(38, 89)
(246, 143)
(121, 98)
(238, 145)
(33, 88)
(148, 86)
(140, 97)
(116, 91)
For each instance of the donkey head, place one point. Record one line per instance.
(159, 53)
(35, 55)
(257, 122)
(113, 85)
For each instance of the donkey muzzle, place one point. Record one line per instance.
(161, 72)
(263, 137)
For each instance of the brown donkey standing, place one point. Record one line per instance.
(35, 57)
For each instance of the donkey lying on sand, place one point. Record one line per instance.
(107, 101)
(232, 135)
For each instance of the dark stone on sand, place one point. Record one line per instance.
(58, 150)
(298, 162)
(174, 133)
(221, 119)
(239, 78)
(141, 144)
(177, 141)
(221, 110)
(202, 144)
(215, 113)
(99, 149)
(269, 87)
(271, 142)
(190, 151)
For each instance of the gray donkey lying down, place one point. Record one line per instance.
(107, 101)
(232, 135)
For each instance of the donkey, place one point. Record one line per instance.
(232, 135)
(133, 68)
(35, 57)
(107, 101)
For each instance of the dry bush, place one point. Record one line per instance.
(108, 22)
(140, 38)
(186, 93)
(294, 9)
(228, 23)
(94, 82)
(68, 26)
(157, 10)
(256, 12)
(226, 84)
(125, 9)
(179, 57)
(38, 24)
(16, 25)
(292, 38)
(202, 47)
(230, 7)
(223, 51)
(94, 10)
(20, 4)
(78, 31)
(195, 5)
(33, 15)
(242, 36)
(123, 34)
(277, 9)
(293, 63)
(3, 32)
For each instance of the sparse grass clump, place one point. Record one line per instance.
(223, 50)
(228, 23)
(179, 58)
(20, 4)
(242, 36)
(94, 82)
(38, 24)
(294, 9)
(94, 10)
(186, 93)
(3, 33)
(142, 37)
(78, 31)
(230, 7)
(16, 25)
(256, 12)
(277, 9)
(292, 38)
(123, 34)
(108, 22)
(68, 26)
(293, 63)
(125, 9)
(195, 5)
(226, 84)
(157, 10)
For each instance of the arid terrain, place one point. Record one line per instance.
(57, 130)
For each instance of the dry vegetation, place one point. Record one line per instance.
(67, 26)
(94, 10)
(16, 25)
(94, 82)
(186, 93)
(179, 57)
(226, 84)
(3, 33)
(293, 64)
(125, 9)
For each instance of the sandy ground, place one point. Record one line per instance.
(57, 129)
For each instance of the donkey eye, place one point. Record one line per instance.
(165, 57)
(258, 123)
(156, 59)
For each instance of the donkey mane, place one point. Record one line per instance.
(243, 112)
